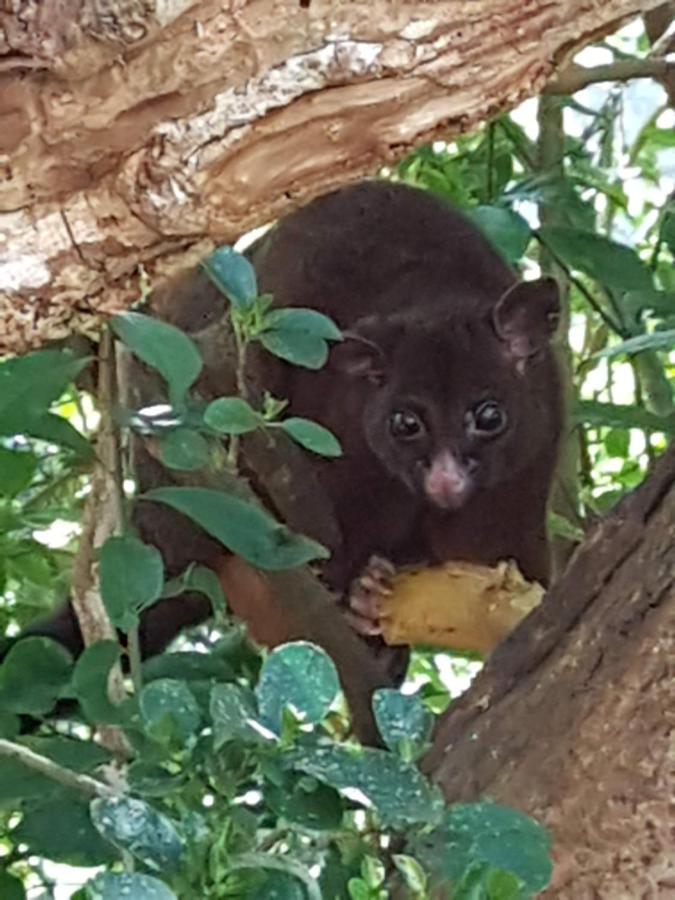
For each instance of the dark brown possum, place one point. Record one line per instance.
(444, 393)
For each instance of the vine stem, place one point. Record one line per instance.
(241, 344)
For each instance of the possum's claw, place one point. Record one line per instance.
(366, 594)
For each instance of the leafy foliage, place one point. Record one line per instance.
(241, 782)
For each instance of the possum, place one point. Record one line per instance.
(444, 394)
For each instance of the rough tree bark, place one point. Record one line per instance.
(136, 133)
(571, 719)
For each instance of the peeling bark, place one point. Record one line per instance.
(569, 719)
(137, 133)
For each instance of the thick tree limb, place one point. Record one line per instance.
(568, 719)
(152, 129)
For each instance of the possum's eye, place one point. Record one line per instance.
(487, 419)
(405, 425)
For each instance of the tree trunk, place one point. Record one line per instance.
(135, 134)
(568, 721)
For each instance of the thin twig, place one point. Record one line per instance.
(581, 287)
(86, 785)
(102, 516)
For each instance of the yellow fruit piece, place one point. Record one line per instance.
(458, 606)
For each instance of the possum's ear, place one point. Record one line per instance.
(526, 317)
(366, 349)
(359, 357)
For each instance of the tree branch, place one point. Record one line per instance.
(84, 784)
(575, 77)
(158, 145)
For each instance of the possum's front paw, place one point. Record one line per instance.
(366, 593)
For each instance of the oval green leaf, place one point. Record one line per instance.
(298, 318)
(398, 791)
(133, 825)
(300, 676)
(162, 347)
(296, 347)
(657, 340)
(312, 436)
(131, 578)
(485, 834)
(34, 675)
(135, 886)
(183, 448)
(30, 384)
(614, 265)
(403, 721)
(231, 415)
(232, 713)
(233, 275)
(16, 470)
(90, 683)
(506, 229)
(169, 711)
(242, 527)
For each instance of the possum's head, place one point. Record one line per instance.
(460, 404)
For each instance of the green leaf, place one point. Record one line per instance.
(169, 711)
(133, 825)
(297, 347)
(613, 265)
(11, 888)
(90, 683)
(57, 430)
(484, 834)
(231, 415)
(73, 841)
(232, 713)
(33, 676)
(397, 790)
(298, 675)
(507, 230)
(403, 721)
(559, 526)
(312, 436)
(233, 275)
(413, 874)
(277, 878)
(135, 886)
(657, 340)
(17, 468)
(132, 577)
(204, 580)
(162, 347)
(242, 527)
(10, 725)
(615, 415)
(482, 882)
(183, 448)
(188, 665)
(617, 442)
(30, 384)
(305, 802)
(667, 230)
(152, 780)
(299, 318)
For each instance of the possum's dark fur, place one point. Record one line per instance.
(444, 393)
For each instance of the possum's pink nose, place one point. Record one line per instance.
(447, 481)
